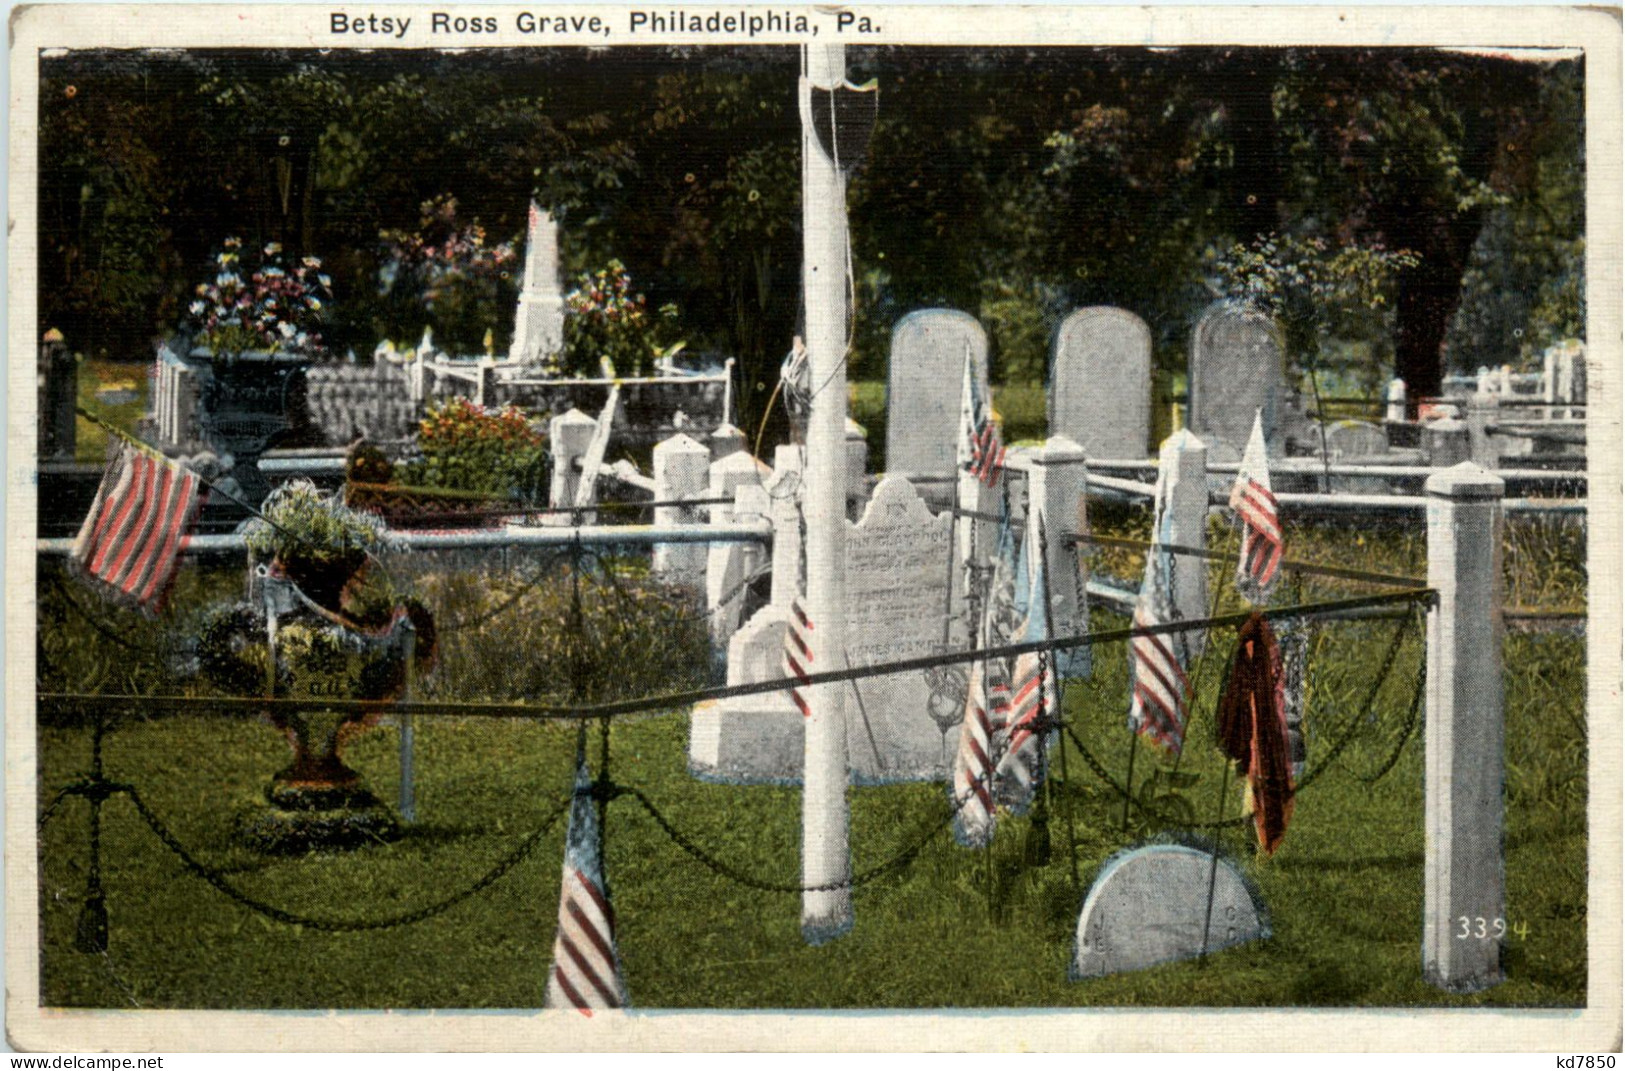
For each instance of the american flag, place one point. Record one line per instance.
(980, 451)
(132, 537)
(1034, 698)
(987, 705)
(586, 972)
(1255, 506)
(1156, 663)
(798, 654)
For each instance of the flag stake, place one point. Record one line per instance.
(1213, 868)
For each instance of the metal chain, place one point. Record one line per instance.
(1101, 772)
(711, 862)
(1411, 719)
(214, 878)
(1359, 717)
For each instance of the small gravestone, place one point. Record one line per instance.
(1149, 906)
(1100, 382)
(1236, 370)
(1347, 440)
(926, 377)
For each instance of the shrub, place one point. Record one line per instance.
(466, 448)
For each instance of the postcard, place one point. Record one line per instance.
(773, 527)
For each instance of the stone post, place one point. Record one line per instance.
(58, 374)
(682, 469)
(729, 564)
(1548, 378)
(1057, 482)
(726, 440)
(1464, 905)
(1183, 463)
(1483, 413)
(1396, 401)
(785, 490)
(857, 468)
(485, 390)
(569, 436)
(1445, 443)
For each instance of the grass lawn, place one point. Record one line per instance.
(117, 392)
(1344, 892)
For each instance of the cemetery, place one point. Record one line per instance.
(559, 658)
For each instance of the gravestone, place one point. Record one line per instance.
(1149, 906)
(897, 571)
(924, 382)
(1100, 382)
(897, 580)
(1350, 439)
(1236, 370)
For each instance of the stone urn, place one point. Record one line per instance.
(317, 655)
(245, 402)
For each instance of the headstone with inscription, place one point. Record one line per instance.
(897, 608)
(1236, 370)
(898, 577)
(1151, 905)
(1100, 382)
(924, 382)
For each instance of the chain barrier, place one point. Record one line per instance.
(1413, 716)
(864, 877)
(214, 877)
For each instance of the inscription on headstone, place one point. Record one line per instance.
(897, 609)
(1100, 382)
(923, 386)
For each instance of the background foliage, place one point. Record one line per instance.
(1013, 183)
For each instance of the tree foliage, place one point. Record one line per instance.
(1015, 184)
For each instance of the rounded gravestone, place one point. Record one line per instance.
(1149, 906)
(1236, 371)
(923, 386)
(1100, 382)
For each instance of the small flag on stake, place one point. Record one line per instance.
(133, 535)
(1034, 698)
(586, 972)
(1255, 506)
(980, 451)
(798, 654)
(986, 705)
(1156, 669)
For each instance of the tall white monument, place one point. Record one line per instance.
(538, 330)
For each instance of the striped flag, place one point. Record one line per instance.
(987, 704)
(1254, 503)
(980, 451)
(1157, 663)
(798, 654)
(586, 972)
(131, 539)
(1034, 698)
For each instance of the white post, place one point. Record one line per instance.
(1183, 462)
(726, 440)
(1464, 913)
(1396, 401)
(729, 564)
(1548, 379)
(826, 865)
(1483, 413)
(1057, 484)
(569, 435)
(786, 492)
(857, 467)
(682, 469)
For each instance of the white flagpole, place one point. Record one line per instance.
(826, 866)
